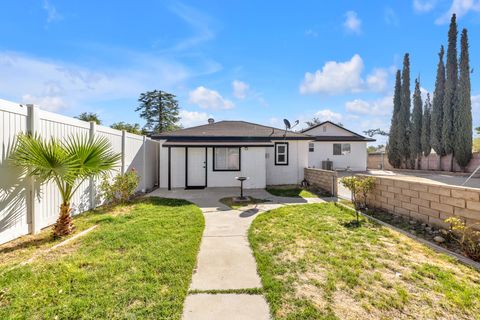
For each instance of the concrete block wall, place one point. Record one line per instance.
(323, 179)
(427, 202)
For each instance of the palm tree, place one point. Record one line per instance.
(67, 163)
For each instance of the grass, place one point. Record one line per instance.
(136, 264)
(291, 192)
(315, 265)
(228, 201)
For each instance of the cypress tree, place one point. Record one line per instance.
(404, 114)
(394, 155)
(416, 126)
(449, 101)
(426, 127)
(462, 114)
(437, 107)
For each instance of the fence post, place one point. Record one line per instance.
(144, 171)
(33, 210)
(124, 147)
(92, 187)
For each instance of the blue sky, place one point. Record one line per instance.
(259, 61)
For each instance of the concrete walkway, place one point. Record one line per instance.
(225, 260)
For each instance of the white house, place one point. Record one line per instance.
(213, 155)
(345, 149)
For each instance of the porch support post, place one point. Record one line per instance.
(169, 168)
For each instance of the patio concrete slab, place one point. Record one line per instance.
(225, 306)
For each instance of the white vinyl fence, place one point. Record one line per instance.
(26, 206)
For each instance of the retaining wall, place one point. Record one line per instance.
(323, 179)
(427, 202)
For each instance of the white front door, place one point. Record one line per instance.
(196, 167)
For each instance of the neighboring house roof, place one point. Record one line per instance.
(230, 131)
(353, 137)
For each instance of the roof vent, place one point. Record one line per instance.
(211, 120)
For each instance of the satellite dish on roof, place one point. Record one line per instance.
(287, 124)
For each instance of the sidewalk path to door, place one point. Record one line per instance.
(225, 262)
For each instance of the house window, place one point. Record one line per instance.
(281, 153)
(311, 147)
(226, 159)
(325, 128)
(341, 149)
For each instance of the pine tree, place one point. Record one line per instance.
(416, 125)
(404, 114)
(426, 127)
(394, 155)
(160, 110)
(462, 114)
(437, 107)
(449, 101)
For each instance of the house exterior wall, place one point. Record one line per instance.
(356, 159)
(291, 173)
(330, 130)
(252, 166)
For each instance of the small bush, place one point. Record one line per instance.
(121, 188)
(360, 188)
(467, 237)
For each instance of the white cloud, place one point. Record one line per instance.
(352, 23)
(52, 13)
(193, 118)
(327, 114)
(421, 6)
(341, 77)
(240, 89)
(55, 85)
(377, 107)
(209, 99)
(460, 8)
(378, 80)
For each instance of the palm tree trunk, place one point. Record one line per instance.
(64, 224)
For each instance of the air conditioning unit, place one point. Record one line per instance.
(327, 165)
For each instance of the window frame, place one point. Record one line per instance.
(277, 163)
(342, 153)
(239, 159)
(311, 147)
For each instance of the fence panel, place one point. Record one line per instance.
(14, 221)
(21, 203)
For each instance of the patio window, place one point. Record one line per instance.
(311, 147)
(341, 149)
(226, 159)
(281, 153)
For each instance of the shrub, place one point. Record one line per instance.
(467, 237)
(360, 188)
(121, 188)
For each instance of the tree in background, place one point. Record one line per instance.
(132, 128)
(374, 132)
(315, 121)
(89, 116)
(416, 126)
(449, 100)
(404, 114)
(160, 110)
(426, 127)
(462, 114)
(437, 107)
(394, 154)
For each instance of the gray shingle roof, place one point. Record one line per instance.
(231, 131)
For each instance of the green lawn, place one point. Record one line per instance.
(228, 201)
(291, 192)
(315, 265)
(137, 264)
